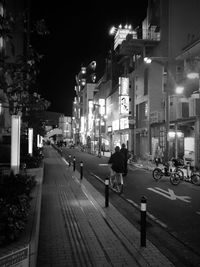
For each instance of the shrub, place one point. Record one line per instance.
(14, 205)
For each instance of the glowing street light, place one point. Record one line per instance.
(179, 90)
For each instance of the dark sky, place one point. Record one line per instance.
(79, 34)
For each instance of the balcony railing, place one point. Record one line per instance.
(150, 34)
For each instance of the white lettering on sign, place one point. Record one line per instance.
(169, 194)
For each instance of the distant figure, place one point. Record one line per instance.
(158, 156)
(125, 153)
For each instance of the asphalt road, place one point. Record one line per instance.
(173, 211)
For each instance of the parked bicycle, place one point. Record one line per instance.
(189, 175)
(168, 170)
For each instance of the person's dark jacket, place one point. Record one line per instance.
(124, 151)
(117, 161)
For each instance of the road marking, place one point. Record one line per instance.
(65, 161)
(169, 194)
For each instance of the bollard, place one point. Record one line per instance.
(106, 192)
(70, 160)
(143, 222)
(74, 163)
(81, 170)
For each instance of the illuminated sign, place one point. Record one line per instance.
(115, 125)
(109, 129)
(124, 95)
(124, 104)
(82, 124)
(102, 107)
(123, 86)
(90, 121)
(90, 105)
(124, 123)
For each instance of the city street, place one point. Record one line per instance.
(175, 208)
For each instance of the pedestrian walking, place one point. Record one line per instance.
(158, 156)
(125, 153)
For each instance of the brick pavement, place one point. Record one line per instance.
(77, 230)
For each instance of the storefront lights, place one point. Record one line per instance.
(15, 142)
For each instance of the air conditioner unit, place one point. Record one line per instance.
(179, 108)
(194, 105)
(183, 108)
(156, 116)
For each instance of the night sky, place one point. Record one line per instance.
(79, 34)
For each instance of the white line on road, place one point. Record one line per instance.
(169, 194)
(65, 161)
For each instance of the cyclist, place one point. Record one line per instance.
(117, 162)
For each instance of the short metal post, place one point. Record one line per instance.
(70, 160)
(143, 222)
(81, 170)
(74, 163)
(106, 192)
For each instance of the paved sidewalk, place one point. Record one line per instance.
(77, 230)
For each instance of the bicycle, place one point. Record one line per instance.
(116, 181)
(168, 170)
(189, 175)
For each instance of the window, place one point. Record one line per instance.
(141, 115)
(146, 81)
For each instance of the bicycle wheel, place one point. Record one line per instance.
(117, 183)
(112, 181)
(181, 173)
(195, 178)
(175, 178)
(157, 174)
(120, 183)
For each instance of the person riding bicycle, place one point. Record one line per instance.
(117, 161)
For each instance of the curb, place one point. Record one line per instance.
(33, 244)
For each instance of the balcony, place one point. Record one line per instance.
(156, 117)
(148, 40)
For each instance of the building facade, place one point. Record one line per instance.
(142, 106)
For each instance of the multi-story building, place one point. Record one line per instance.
(142, 106)
(65, 124)
(84, 92)
(160, 116)
(188, 115)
